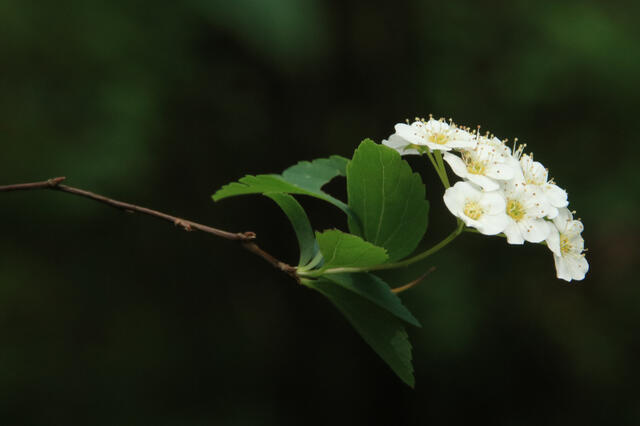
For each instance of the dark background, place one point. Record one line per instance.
(115, 319)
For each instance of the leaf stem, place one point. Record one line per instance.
(449, 238)
(312, 263)
(421, 256)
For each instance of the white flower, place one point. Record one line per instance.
(436, 135)
(525, 208)
(535, 174)
(567, 246)
(488, 162)
(484, 211)
(401, 145)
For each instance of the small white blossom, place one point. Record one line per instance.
(485, 165)
(535, 174)
(567, 246)
(436, 135)
(502, 191)
(525, 208)
(484, 211)
(401, 145)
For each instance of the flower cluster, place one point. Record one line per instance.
(502, 191)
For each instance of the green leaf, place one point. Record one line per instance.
(340, 250)
(376, 291)
(382, 331)
(298, 218)
(388, 198)
(314, 175)
(305, 178)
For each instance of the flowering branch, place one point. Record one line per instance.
(503, 192)
(247, 239)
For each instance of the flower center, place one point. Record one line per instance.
(565, 245)
(474, 166)
(473, 210)
(515, 210)
(439, 138)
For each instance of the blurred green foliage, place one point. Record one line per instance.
(108, 318)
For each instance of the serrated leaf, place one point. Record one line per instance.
(300, 222)
(388, 198)
(340, 249)
(315, 174)
(382, 331)
(376, 291)
(304, 178)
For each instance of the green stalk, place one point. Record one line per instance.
(404, 263)
(312, 263)
(438, 155)
(437, 168)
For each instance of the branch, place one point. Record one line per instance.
(245, 238)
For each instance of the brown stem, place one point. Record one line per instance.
(246, 238)
(414, 282)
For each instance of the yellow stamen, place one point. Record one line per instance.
(439, 138)
(565, 245)
(473, 210)
(515, 210)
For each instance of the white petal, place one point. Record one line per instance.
(500, 171)
(577, 243)
(456, 196)
(456, 164)
(574, 228)
(400, 144)
(551, 212)
(553, 239)
(454, 201)
(578, 267)
(412, 134)
(484, 182)
(557, 196)
(518, 174)
(562, 270)
(493, 224)
(514, 236)
(437, 126)
(535, 205)
(493, 202)
(462, 144)
(534, 170)
(438, 147)
(470, 222)
(534, 230)
(563, 219)
(468, 190)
